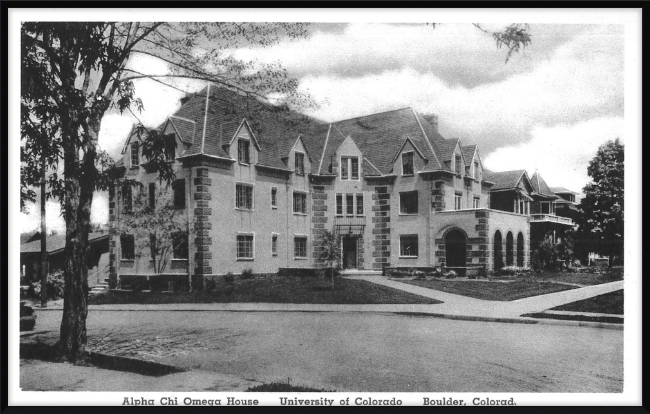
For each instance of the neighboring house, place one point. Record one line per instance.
(259, 193)
(30, 257)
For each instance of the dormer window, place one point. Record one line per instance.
(407, 163)
(476, 170)
(243, 150)
(135, 155)
(349, 168)
(300, 163)
(458, 166)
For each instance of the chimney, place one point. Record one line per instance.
(186, 98)
(433, 120)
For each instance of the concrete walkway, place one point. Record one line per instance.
(453, 306)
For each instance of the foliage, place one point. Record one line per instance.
(229, 278)
(74, 73)
(154, 228)
(54, 287)
(602, 223)
(247, 274)
(278, 386)
(331, 252)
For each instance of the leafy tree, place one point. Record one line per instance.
(331, 253)
(159, 229)
(75, 72)
(602, 223)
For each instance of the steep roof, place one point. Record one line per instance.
(562, 190)
(540, 186)
(380, 137)
(504, 180)
(56, 242)
(468, 152)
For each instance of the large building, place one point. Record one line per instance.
(258, 189)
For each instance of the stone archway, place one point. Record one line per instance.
(455, 248)
(498, 250)
(509, 249)
(520, 250)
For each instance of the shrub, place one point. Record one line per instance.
(576, 263)
(247, 274)
(54, 287)
(229, 278)
(210, 285)
(450, 275)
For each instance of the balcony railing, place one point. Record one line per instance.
(349, 225)
(550, 218)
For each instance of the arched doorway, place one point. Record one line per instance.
(455, 248)
(509, 249)
(520, 250)
(498, 251)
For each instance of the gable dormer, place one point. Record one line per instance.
(243, 145)
(457, 160)
(408, 160)
(349, 160)
(299, 159)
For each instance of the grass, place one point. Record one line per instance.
(498, 291)
(584, 279)
(611, 303)
(274, 289)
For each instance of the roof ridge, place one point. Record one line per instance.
(376, 113)
(415, 115)
(320, 165)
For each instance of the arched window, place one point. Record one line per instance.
(455, 246)
(498, 251)
(520, 250)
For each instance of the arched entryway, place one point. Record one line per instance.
(455, 248)
(520, 250)
(498, 250)
(509, 249)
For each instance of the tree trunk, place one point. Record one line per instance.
(43, 238)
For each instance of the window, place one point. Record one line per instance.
(408, 202)
(179, 245)
(171, 154)
(244, 197)
(521, 207)
(152, 196)
(339, 204)
(476, 170)
(477, 202)
(457, 198)
(349, 204)
(349, 168)
(135, 155)
(274, 244)
(300, 163)
(127, 197)
(458, 164)
(408, 245)
(179, 193)
(243, 151)
(360, 204)
(245, 247)
(299, 203)
(274, 197)
(407, 163)
(300, 247)
(128, 247)
(354, 168)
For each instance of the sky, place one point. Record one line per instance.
(547, 109)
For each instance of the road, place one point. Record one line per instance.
(365, 352)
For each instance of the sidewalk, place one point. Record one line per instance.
(38, 375)
(454, 306)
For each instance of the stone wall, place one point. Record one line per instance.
(380, 228)
(319, 222)
(202, 212)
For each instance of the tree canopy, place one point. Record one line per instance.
(602, 221)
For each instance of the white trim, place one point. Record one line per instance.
(426, 136)
(205, 118)
(402, 158)
(400, 203)
(301, 236)
(320, 165)
(293, 204)
(350, 168)
(303, 162)
(274, 206)
(252, 196)
(277, 240)
(400, 246)
(245, 233)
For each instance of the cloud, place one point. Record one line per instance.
(560, 153)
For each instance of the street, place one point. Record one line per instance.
(363, 351)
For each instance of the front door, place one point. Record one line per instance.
(349, 253)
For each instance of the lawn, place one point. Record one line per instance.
(498, 291)
(611, 303)
(584, 279)
(274, 289)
